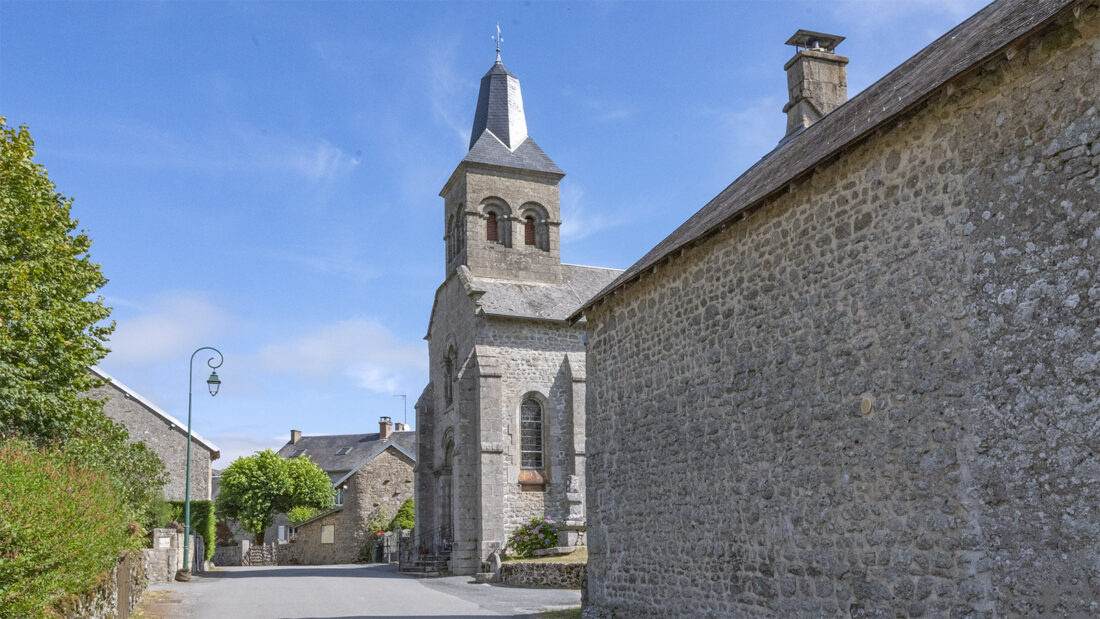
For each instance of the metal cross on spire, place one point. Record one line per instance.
(499, 39)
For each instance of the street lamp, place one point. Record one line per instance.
(212, 383)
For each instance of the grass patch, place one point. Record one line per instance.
(579, 555)
(568, 613)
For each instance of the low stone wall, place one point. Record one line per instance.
(166, 556)
(542, 575)
(102, 602)
(228, 555)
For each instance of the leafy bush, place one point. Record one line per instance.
(61, 526)
(405, 518)
(202, 521)
(535, 535)
(301, 513)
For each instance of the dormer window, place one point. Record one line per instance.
(299, 452)
(343, 451)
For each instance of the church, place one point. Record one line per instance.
(500, 425)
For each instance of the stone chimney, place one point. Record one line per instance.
(817, 79)
(295, 436)
(385, 428)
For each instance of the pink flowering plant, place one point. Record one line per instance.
(537, 534)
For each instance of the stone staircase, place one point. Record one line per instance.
(429, 566)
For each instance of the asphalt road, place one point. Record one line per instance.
(342, 591)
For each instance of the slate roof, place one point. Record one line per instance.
(971, 43)
(527, 156)
(499, 135)
(324, 450)
(524, 299)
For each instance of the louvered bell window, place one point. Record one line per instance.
(530, 434)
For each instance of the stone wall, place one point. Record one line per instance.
(878, 393)
(165, 558)
(165, 439)
(102, 602)
(542, 575)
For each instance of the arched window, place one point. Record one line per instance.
(460, 230)
(492, 234)
(450, 237)
(449, 377)
(529, 230)
(530, 434)
(536, 226)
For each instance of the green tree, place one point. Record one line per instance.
(405, 517)
(51, 327)
(255, 488)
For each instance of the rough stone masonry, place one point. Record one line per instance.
(877, 393)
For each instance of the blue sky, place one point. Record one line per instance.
(263, 177)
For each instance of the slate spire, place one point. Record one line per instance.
(500, 108)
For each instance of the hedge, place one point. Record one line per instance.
(61, 527)
(202, 521)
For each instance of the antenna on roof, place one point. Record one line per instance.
(404, 399)
(499, 39)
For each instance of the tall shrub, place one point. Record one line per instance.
(405, 517)
(61, 525)
(203, 521)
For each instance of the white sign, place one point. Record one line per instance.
(164, 542)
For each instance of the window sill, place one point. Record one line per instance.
(531, 477)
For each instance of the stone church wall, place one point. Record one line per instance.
(534, 354)
(877, 394)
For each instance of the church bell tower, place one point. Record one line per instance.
(501, 205)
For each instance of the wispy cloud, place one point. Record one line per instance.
(447, 87)
(170, 325)
(234, 445)
(130, 144)
(607, 111)
(362, 351)
(579, 219)
(339, 260)
(864, 14)
(748, 132)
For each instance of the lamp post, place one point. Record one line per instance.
(212, 383)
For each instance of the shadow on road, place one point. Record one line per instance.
(307, 571)
(410, 616)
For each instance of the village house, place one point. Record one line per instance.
(501, 423)
(162, 433)
(371, 474)
(864, 378)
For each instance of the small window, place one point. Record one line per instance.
(338, 496)
(298, 452)
(344, 451)
(491, 233)
(328, 534)
(529, 230)
(530, 434)
(282, 533)
(449, 377)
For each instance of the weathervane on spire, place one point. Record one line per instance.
(499, 39)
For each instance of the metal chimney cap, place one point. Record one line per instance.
(815, 40)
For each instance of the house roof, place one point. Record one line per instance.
(328, 450)
(969, 44)
(179, 426)
(408, 450)
(319, 516)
